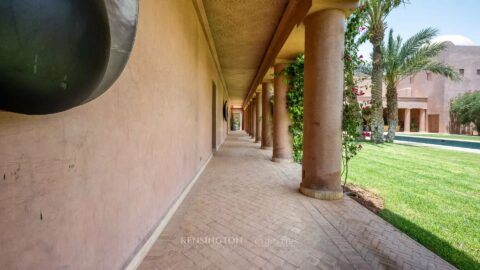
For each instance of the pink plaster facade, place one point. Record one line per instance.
(84, 189)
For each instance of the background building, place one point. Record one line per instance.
(424, 99)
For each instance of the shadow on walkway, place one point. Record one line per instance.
(431, 241)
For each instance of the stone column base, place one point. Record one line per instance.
(326, 195)
(282, 160)
(266, 147)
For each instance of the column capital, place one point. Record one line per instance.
(279, 67)
(344, 5)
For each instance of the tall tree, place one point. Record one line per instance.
(378, 11)
(405, 59)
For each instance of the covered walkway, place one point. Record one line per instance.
(245, 212)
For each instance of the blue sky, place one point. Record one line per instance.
(450, 17)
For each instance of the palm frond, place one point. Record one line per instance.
(416, 54)
(389, 5)
(391, 60)
(444, 70)
(377, 11)
(417, 41)
(421, 58)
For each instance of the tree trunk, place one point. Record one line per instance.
(392, 112)
(377, 104)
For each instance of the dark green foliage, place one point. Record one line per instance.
(294, 73)
(466, 109)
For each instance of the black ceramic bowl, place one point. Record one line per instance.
(58, 54)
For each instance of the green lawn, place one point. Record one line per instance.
(446, 136)
(431, 194)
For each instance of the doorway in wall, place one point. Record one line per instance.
(214, 116)
(433, 123)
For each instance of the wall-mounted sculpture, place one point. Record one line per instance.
(225, 111)
(58, 54)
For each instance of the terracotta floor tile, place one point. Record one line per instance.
(245, 212)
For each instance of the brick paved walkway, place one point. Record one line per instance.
(245, 212)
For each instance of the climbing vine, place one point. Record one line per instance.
(294, 74)
(352, 112)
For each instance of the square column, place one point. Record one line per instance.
(323, 104)
(282, 143)
(406, 121)
(258, 117)
(422, 124)
(267, 93)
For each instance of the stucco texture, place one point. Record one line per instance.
(242, 31)
(84, 188)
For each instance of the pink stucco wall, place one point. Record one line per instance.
(82, 189)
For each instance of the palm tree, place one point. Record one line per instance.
(405, 59)
(378, 11)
